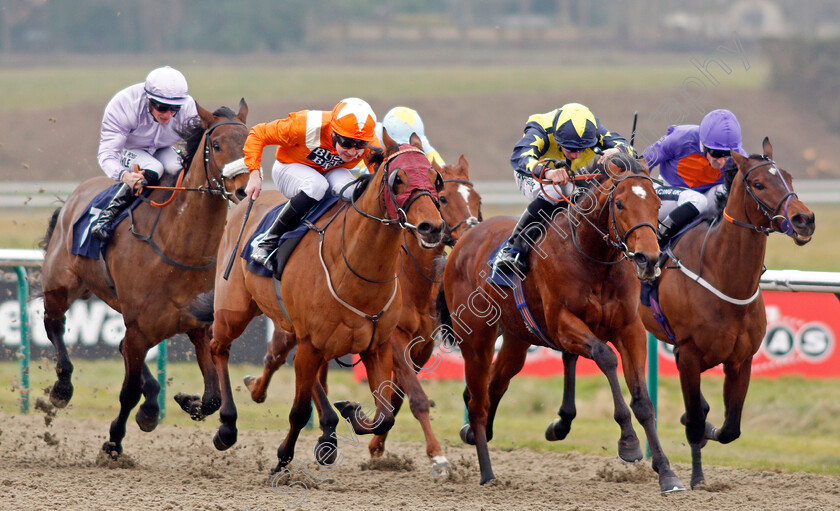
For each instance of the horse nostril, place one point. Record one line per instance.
(240, 193)
(425, 228)
(640, 259)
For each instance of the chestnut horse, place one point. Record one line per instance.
(150, 282)
(721, 320)
(581, 296)
(412, 345)
(340, 291)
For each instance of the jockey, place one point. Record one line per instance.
(316, 150)
(690, 159)
(400, 123)
(568, 133)
(139, 127)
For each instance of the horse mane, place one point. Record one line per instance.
(194, 130)
(622, 160)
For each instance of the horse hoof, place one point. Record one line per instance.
(467, 435)
(250, 383)
(346, 408)
(60, 394)
(670, 484)
(440, 467)
(326, 451)
(557, 430)
(112, 450)
(630, 453)
(220, 444)
(147, 422)
(699, 483)
(488, 481)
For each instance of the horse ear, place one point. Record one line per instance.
(465, 165)
(436, 167)
(416, 142)
(243, 110)
(206, 116)
(388, 142)
(739, 160)
(767, 147)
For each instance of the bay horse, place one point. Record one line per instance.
(722, 320)
(150, 283)
(411, 341)
(581, 296)
(340, 291)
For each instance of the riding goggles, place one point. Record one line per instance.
(350, 143)
(719, 153)
(163, 107)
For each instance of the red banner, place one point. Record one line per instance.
(800, 339)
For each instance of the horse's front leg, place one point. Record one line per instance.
(55, 306)
(580, 340)
(326, 450)
(507, 364)
(631, 343)
(226, 328)
(688, 363)
(307, 362)
(278, 350)
(559, 428)
(148, 415)
(133, 349)
(736, 382)
(378, 364)
(200, 407)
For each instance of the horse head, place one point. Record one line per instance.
(627, 194)
(774, 206)
(409, 187)
(460, 204)
(222, 135)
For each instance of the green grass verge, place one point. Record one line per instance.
(30, 88)
(788, 423)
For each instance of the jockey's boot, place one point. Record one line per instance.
(514, 255)
(103, 230)
(289, 218)
(675, 221)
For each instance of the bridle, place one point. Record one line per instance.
(215, 185)
(470, 221)
(785, 224)
(615, 237)
(401, 220)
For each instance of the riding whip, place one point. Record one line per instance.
(633, 133)
(238, 238)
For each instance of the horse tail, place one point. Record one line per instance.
(201, 308)
(50, 229)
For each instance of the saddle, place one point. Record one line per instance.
(288, 241)
(89, 246)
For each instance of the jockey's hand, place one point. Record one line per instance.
(136, 180)
(252, 189)
(557, 176)
(606, 154)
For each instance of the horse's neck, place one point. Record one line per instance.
(193, 222)
(589, 232)
(734, 254)
(369, 246)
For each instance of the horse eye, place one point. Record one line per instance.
(216, 146)
(758, 185)
(619, 205)
(443, 200)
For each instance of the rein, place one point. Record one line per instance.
(470, 221)
(620, 244)
(215, 187)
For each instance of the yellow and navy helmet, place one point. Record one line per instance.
(576, 127)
